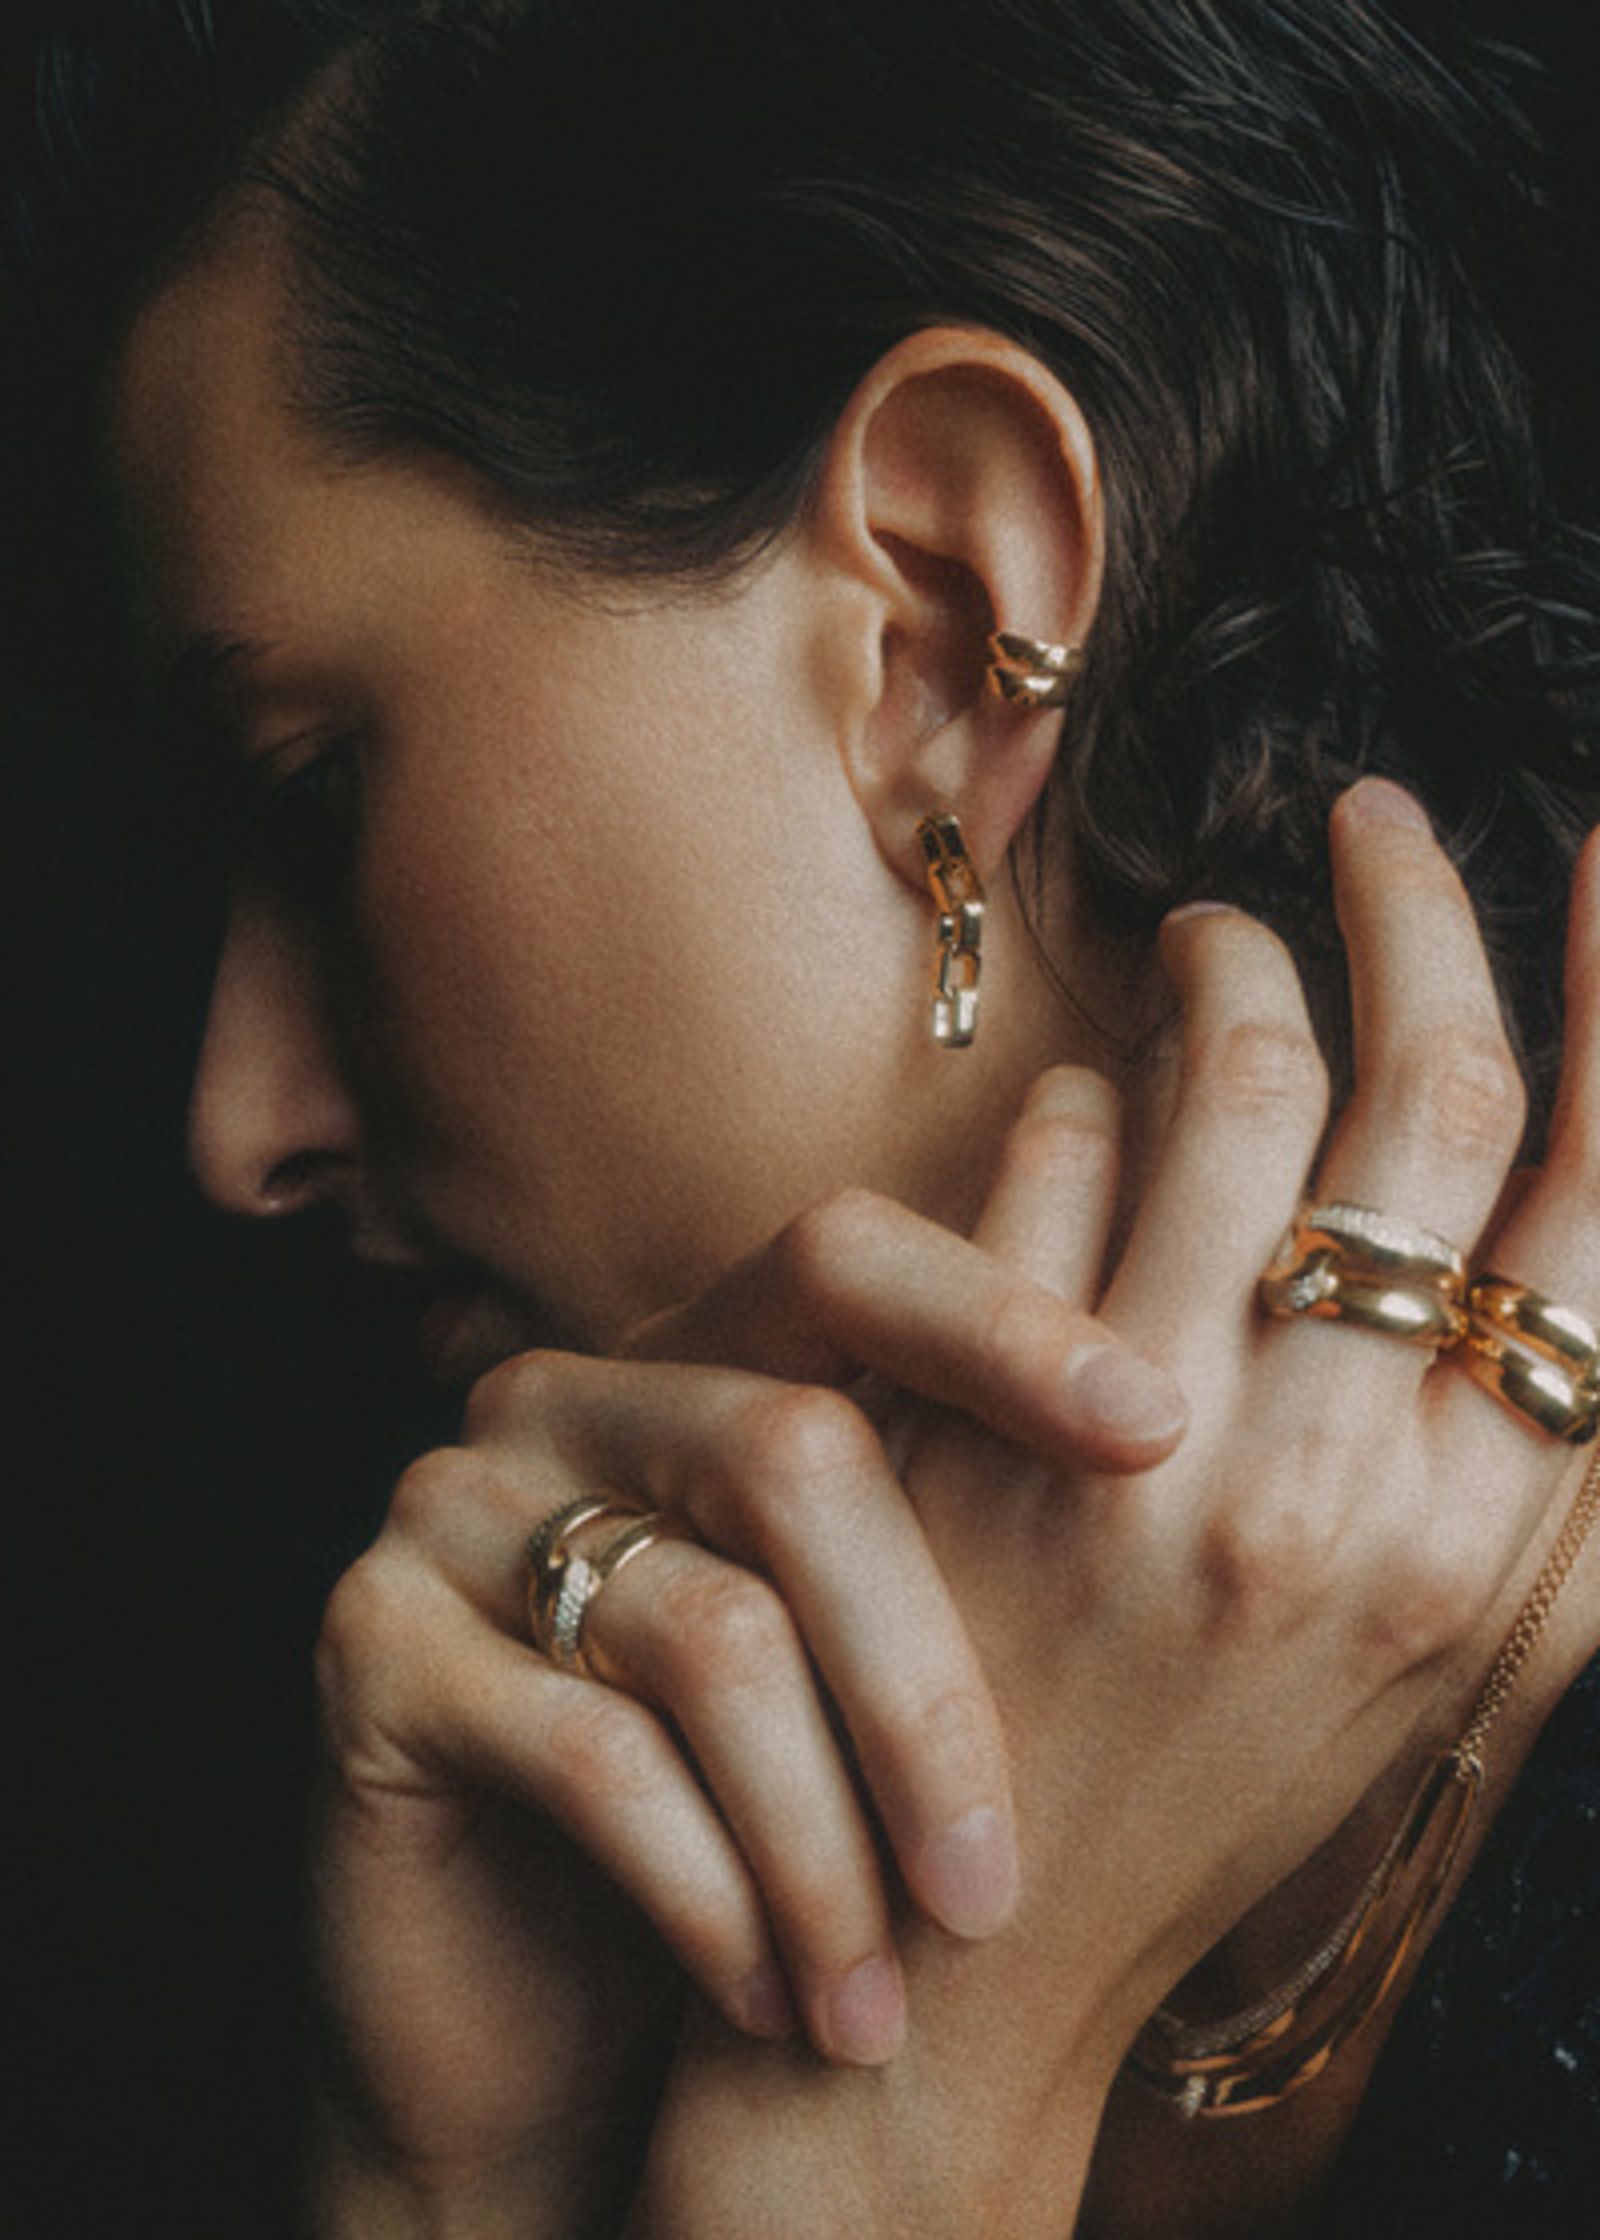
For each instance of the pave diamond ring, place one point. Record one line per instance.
(1348, 1263)
(563, 1582)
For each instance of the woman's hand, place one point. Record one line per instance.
(497, 2016)
(1201, 1669)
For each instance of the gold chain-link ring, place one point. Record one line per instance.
(1561, 1334)
(1321, 1285)
(1539, 1389)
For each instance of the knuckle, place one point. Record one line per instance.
(1459, 1083)
(1059, 1136)
(729, 1629)
(603, 1746)
(512, 1391)
(364, 1619)
(1261, 1068)
(435, 1484)
(956, 1727)
(799, 1436)
(1023, 1329)
(821, 1240)
(1264, 1568)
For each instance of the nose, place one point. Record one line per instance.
(272, 1125)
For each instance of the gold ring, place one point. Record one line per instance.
(549, 1558)
(564, 1581)
(1538, 1357)
(1560, 1333)
(1377, 1244)
(1321, 1286)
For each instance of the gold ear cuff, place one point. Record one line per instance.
(1031, 672)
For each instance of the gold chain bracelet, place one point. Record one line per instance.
(1247, 2061)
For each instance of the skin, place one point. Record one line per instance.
(825, 1300)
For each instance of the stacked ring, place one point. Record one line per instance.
(563, 1582)
(1539, 1357)
(1379, 1245)
(1351, 1264)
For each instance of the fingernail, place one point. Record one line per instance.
(1380, 801)
(762, 2005)
(1120, 1396)
(968, 1876)
(866, 2014)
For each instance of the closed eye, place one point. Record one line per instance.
(300, 813)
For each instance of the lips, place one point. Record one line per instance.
(467, 1321)
(466, 1330)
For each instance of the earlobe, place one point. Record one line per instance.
(960, 491)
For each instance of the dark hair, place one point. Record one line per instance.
(628, 258)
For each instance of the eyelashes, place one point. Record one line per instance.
(299, 825)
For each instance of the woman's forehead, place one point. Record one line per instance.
(233, 522)
(200, 444)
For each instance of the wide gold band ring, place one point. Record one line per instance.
(1538, 1357)
(1350, 1263)
(563, 1581)
(1379, 1245)
(1320, 1286)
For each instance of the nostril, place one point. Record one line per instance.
(303, 1179)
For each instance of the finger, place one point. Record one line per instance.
(1248, 1107)
(714, 1647)
(420, 1696)
(1550, 1235)
(860, 1282)
(1438, 1106)
(1547, 1232)
(793, 1483)
(1048, 1213)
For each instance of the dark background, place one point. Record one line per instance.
(198, 1427)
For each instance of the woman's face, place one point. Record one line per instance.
(561, 953)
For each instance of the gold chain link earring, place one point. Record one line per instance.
(958, 891)
(1031, 672)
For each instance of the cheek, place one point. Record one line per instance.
(621, 1026)
(479, 954)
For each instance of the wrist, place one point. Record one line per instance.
(972, 2132)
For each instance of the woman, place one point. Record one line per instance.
(655, 525)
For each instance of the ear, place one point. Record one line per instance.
(959, 495)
